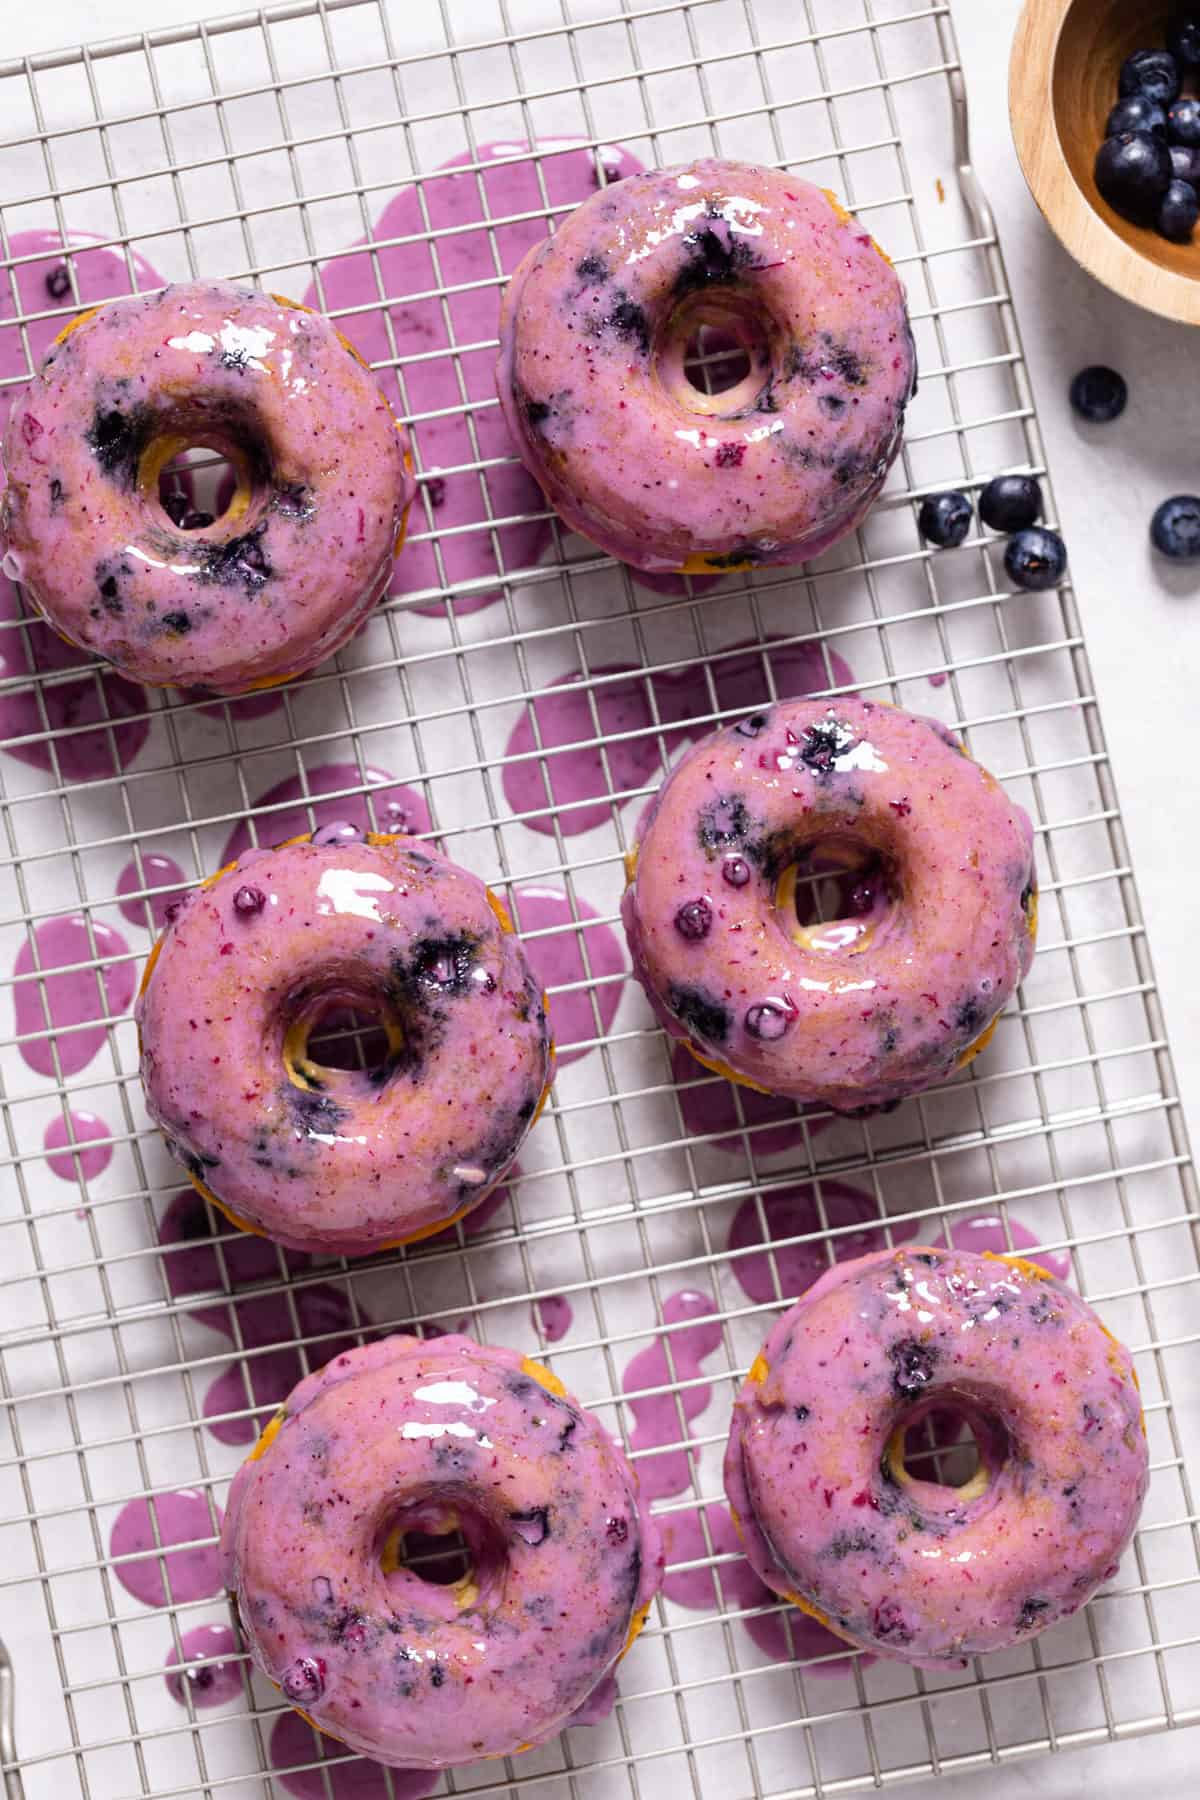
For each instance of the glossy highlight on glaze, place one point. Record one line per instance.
(850, 1014)
(293, 566)
(592, 372)
(476, 214)
(68, 1001)
(911, 1568)
(692, 1335)
(435, 1437)
(236, 993)
(631, 709)
(295, 806)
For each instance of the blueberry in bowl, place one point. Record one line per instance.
(1183, 121)
(1137, 113)
(1178, 212)
(1154, 73)
(1133, 172)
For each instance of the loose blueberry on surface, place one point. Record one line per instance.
(304, 1680)
(1185, 163)
(1183, 39)
(1179, 211)
(1175, 528)
(1035, 559)
(1137, 113)
(1154, 73)
(769, 1020)
(1098, 394)
(1010, 502)
(338, 831)
(58, 282)
(944, 519)
(1133, 172)
(176, 508)
(249, 900)
(736, 871)
(694, 920)
(1183, 121)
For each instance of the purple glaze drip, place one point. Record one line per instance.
(510, 186)
(785, 1636)
(183, 1518)
(294, 1743)
(396, 808)
(557, 961)
(73, 998)
(683, 704)
(554, 1315)
(157, 871)
(657, 1415)
(709, 1105)
(984, 1232)
(216, 1681)
(793, 1212)
(66, 1138)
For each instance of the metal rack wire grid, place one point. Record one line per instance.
(264, 146)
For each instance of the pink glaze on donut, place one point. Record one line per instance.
(323, 1158)
(305, 547)
(594, 333)
(865, 1010)
(408, 1436)
(913, 1569)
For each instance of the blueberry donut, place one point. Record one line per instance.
(597, 336)
(304, 547)
(404, 1436)
(855, 1013)
(833, 1520)
(326, 1158)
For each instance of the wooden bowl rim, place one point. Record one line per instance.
(1082, 230)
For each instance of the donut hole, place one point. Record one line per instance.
(948, 1449)
(942, 1448)
(443, 1541)
(836, 894)
(714, 354)
(196, 487)
(341, 1034)
(200, 476)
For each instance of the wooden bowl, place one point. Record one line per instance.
(1062, 85)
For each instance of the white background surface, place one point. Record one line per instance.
(1142, 619)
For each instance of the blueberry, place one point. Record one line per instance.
(58, 282)
(1154, 73)
(1035, 558)
(1010, 502)
(249, 900)
(1183, 39)
(1137, 113)
(1183, 122)
(944, 519)
(1175, 528)
(769, 1020)
(1178, 212)
(1098, 394)
(736, 871)
(1186, 163)
(1133, 172)
(694, 919)
(304, 1680)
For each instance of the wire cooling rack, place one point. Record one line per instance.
(263, 145)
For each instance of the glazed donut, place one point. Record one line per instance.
(405, 1436)
(859, 1014)
(909, 1568)
(321, 1158)
(302, 551)
(594, 333)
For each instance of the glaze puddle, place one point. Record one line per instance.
(192, 1574)
(793, 1212)
(294, 1742)
(73, 998)
(785, 1636)
(712, 1107)
(507, 184)
(657, 1415)
(558, 961)
(106, 704)
(95, 753)
(157, 871)
(554, 1315)
(70, 1152)
(396, 808)
(564, 717)
(982, 1233)
(216, 1681)
(192, 1265)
